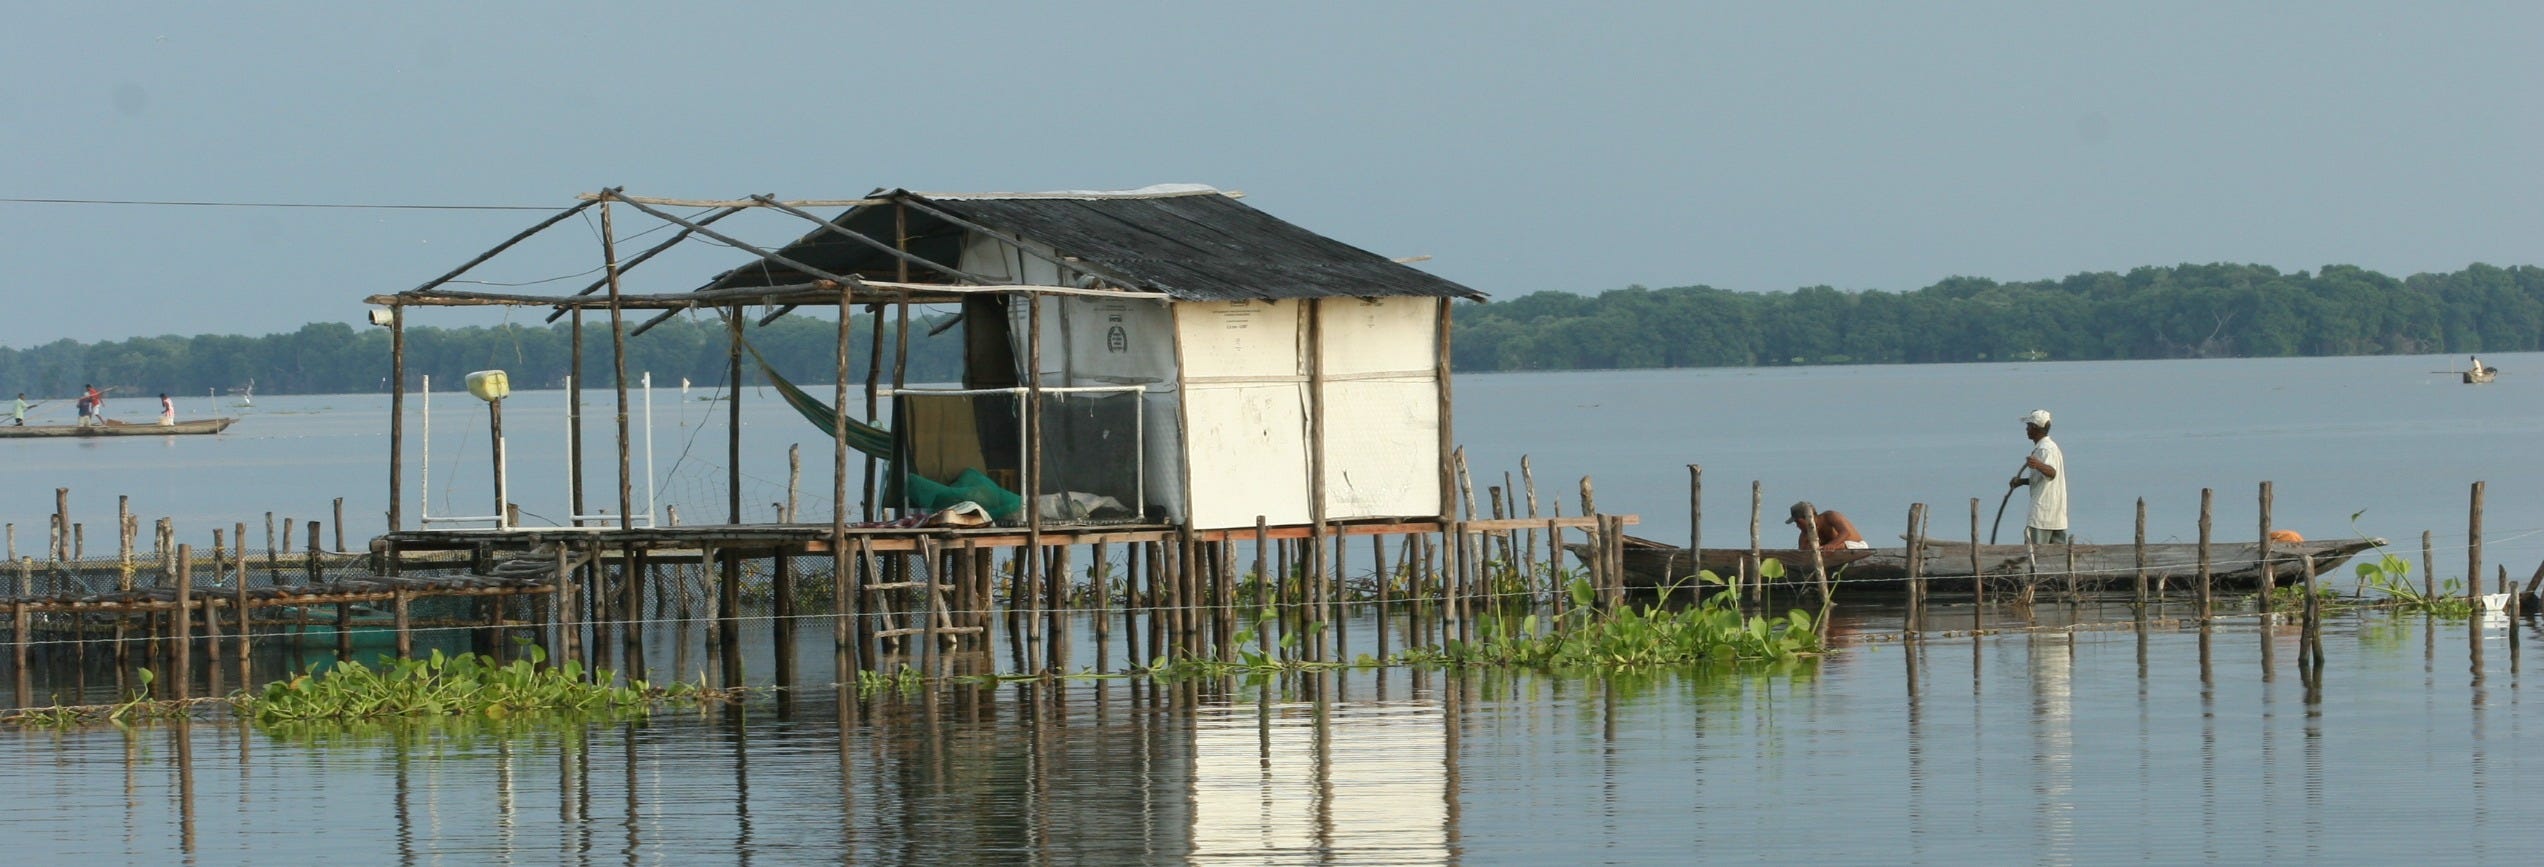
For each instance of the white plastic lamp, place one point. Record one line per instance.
(492, 386)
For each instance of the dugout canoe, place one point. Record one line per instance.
(1650, 563)
(120, 429)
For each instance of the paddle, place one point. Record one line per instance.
(2000, 505)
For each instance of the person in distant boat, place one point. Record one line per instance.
(167, 410)
(87, 403)
(17, 415)
(2045, 471)
(97, 404)
(1836, 533)
(2477, 364)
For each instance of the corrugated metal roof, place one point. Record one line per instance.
(1190, 243)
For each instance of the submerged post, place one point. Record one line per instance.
(1916, 568)
(1757, 560)
(2138, 548)
(1978, 579)
(2473, 544)
(2261, 549)
(184, 681)
(1695, 521)
(2207, 496)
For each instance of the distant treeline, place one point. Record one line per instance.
(2185, 311)
(335, 358)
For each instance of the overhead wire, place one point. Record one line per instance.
(373, 206)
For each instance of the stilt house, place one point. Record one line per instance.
(1163, 356)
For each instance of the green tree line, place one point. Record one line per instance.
(2184, 311)
(335, 358)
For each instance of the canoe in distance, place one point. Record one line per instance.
(1650, 564)
(120, 429)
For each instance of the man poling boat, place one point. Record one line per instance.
(2045, 472)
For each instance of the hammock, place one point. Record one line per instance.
(863, 437)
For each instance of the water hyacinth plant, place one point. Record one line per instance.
(1712, 630)
(444, 685)
(2391, 576)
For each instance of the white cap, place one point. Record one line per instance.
(2037, 418)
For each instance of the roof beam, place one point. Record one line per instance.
(506, 245)
(745, 246)
(886, 249)
(726, 203)
(640, 258)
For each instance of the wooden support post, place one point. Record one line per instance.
(1916, 569)
(2428, 565)
(794, 478)
(1978, 579)
(1056, 588)
(2310, 648)
(1100, 601)
(843, 604)
(1614, 551)
(1554, 557)
(2139, 550)
(568, 631)
(1224, 558)
(1379, 573)
(843, 585)
(729, 612)
(182, 686)
(339, 525)
(1755, 567)
(1139, 603)
(1316, 583)
(1528, 481)
(2261, 549)
(1267, 587)
(245, 611)
(633, 566)
(933, 576)
(405, 625)
(1695, 525)
(863, 629)
(1153, 554)
(2473, 545)
(782, 623)
(2206, 588)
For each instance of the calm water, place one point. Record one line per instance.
(2098, 745)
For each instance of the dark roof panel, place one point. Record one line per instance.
(1196, 245)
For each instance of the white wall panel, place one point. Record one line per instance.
(1382, 448)
(1247, 453)
(1379, 335)
(1239, 338)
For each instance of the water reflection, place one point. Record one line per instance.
(1286, 780)
(2076, 746)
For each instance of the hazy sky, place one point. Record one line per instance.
(1524, 146)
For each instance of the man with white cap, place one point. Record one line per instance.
(2046, 472)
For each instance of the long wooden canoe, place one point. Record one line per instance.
(120, 429)
(1650, 563)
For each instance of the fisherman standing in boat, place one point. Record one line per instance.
(2045, 470)
(167, 410)
(1835, 532)
(17, 415)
